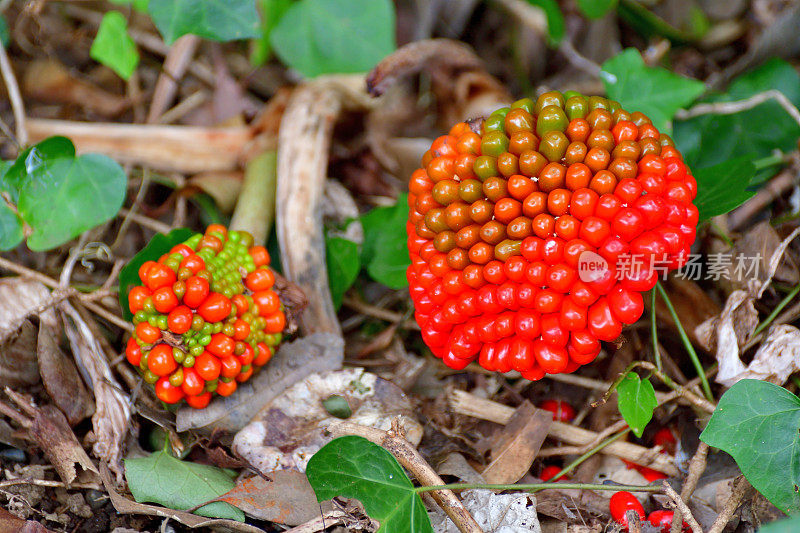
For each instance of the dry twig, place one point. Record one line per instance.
(681, 508)
(696, 468)
(15, 97)
(742, 490)
(729, 108)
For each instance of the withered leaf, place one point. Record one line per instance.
(17, 358)
(21, 297)
(517, 444)
(53, 435)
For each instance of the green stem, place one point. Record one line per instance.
(767, 321)
(654, 329)
(721, 234)
(536, 487)
(574, 464)
(777, 158)
(255, 208)
(687, 344)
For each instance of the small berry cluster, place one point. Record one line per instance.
(206, 317)
(504, 210)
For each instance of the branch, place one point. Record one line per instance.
(742, 490)
(682, 508)
(729, 108)
(15, 97)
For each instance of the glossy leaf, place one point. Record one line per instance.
(158, 246)
(656, 92)
(335, 36)
(384, 252)
(758, 423)
(11, 230)
(161, 478)
(556, 26)
(113, 47)
(218, 20)
(356, 468)
(595, 9)
(636, 400)
(271, 13)
(708, 140)
(723, 187)
(344, 264)
(34, 161)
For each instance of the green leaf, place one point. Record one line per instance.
(325, 36)
(654, 91)
(11, 230)
(158, 246)
(595, 9)
(138, 5)
(337, 406)
(636, 400)
(555, 20)
(356, 468)
(648, 24)
(271, 13)
(708, 140)
(343, 266)
(70, 196)
(787, 525)
(5, 38)
(113, 47)
(33, 161)
(758, 423)
(161, 478)
(384, 251)
(218, 20)
(723, 187)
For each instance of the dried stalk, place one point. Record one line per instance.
(15, 97)
(742, 490)
(681, 508)
(696, 468)
(177, 61)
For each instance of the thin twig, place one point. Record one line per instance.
(147, 222)
(108, 315)
(774, 189)
(729, 108)
(48, 483)
(696, 468)
(15, 97)
(681, 508)
(619, 425)
(742, 490)
(28, 273)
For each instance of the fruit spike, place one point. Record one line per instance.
(206, 317)
(533, 233)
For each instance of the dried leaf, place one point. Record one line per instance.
(126, 506)
(762, 249)
(12, 524)
(18, 365)
(222, 186)
(517, 444)
(293, 426)
(59, 374)
(724, 334)
(493, 512)
(776, 359)
(286, 498)
(53, 435)
(21, 298)
(293, 362)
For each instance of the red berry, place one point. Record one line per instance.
(137, 298)
(164, 300)
(147, 333)
(214, 308)
(549, 472)
(192, 384)
(166, 392)
(622, 502)
(133, 352)
(197, 289)
(207, 366)
(226, 388)
(260, 255)
(267, 302)
(200, 401)
(562, 411)
(179, 319)
(160, 361)
(221, 345)
(260, 279)
(158, 276)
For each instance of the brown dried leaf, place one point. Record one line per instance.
(776, 359)
(222, 186)
(763, 242)
(517, 444)
(193, 521)
(21, 298)
(18, 365)
(293, 362)
(53, 435)
(287, 499)
(59, 374)
(12, 524)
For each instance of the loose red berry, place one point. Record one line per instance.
(622, 502)
(562, 411)
(549, 472)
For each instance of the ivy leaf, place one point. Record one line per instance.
(723, 187)
(325, 36)
(32, 161)
(218, 20)
(271, 13)
(636, 400)
(555, 20)
(654, 91)
(384, 251)
(158, 246)
(343, 266)
(356, 468)
(595, 9)
(113, 47)
(758, 423)
(11, 230)
(709, 140)
(161, 478)
(787, 525)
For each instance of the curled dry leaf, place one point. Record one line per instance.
(18, 366)
(50, 430)
(285, 498)
(10, 523)
(304, 144)
(293, 427)
(21, 298)
(516, 445)
(493, 512)
(125, 506)
(112, 415)
(59, 374)
(758, 257)
(293, 361)
(775, 360)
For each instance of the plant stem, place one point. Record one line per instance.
(536, 487)
(783, 303)
(721, 233)
(574, 464)
(771, 160)
(255, 208)
(654, 328)
(687, 344)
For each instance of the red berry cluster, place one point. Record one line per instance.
(505, 211)
(206, 317)
(623, 501)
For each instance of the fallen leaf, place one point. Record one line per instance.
(493, 512)
(517, 444)
(293, 362)
(21, 298)
(285, 498)
(126, 506)
(59, 374)
(13, 524)
(758, 257)
(293, 426)
(775, 360)
(18, 366)
(53, 435)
